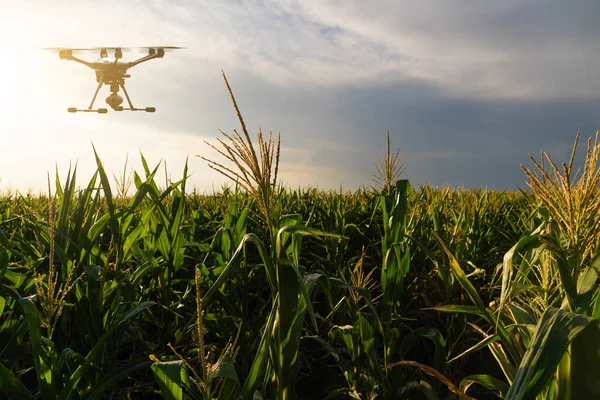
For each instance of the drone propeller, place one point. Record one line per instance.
(161, 47)
(109, 48)
(159, 51)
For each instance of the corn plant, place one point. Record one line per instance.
(548, 293)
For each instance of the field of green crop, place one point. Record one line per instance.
(259, 292)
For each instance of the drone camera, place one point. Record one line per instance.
(114, 100)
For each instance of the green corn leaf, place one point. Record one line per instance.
(578, 370)
(113, 377)
(587, 286)
(257, 396)
(67, 359)
(367, 337)
(394, 207)
(460, 276)
(346, 332)
(107, 194)
(58, 188)
(526, 243)
(555, 331)
(338, 283)
(451, 308)
(235, 262)
(69, 389)
(286, 341)
(168, 374)
(41, 358)
(11, 387)
(302, 284)
(224, 368)
(478, 346)
(96, 229)
(435, 337)
(258, 370)
(487, 381)
(395, 267)
(325, 345)
(66, 198)
(137, 199)
(139, 232)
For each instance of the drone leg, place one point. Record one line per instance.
(96, 94)
(126, 95)
(131, 107)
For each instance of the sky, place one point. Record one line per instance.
(468, 89)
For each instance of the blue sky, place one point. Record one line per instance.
(466, 88)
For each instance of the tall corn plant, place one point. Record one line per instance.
(572, 240)
(549, 291)
(255, 173)
(572, 198)
(378, 350)
(389, 168)
(396, 252)
(276, 360)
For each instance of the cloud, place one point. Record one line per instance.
(513, 49)
(525, 49)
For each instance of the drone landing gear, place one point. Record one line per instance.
(89, 109)
(147, 109)
(114, 87)
(99, 110)
(113, 100)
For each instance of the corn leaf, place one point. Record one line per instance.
(555, 331)
(168, 374)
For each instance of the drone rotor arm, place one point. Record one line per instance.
(141, 60)
(79, 60)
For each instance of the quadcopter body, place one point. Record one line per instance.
(111, 71)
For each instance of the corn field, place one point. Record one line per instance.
(261, 292)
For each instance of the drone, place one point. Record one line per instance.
(111, 71)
